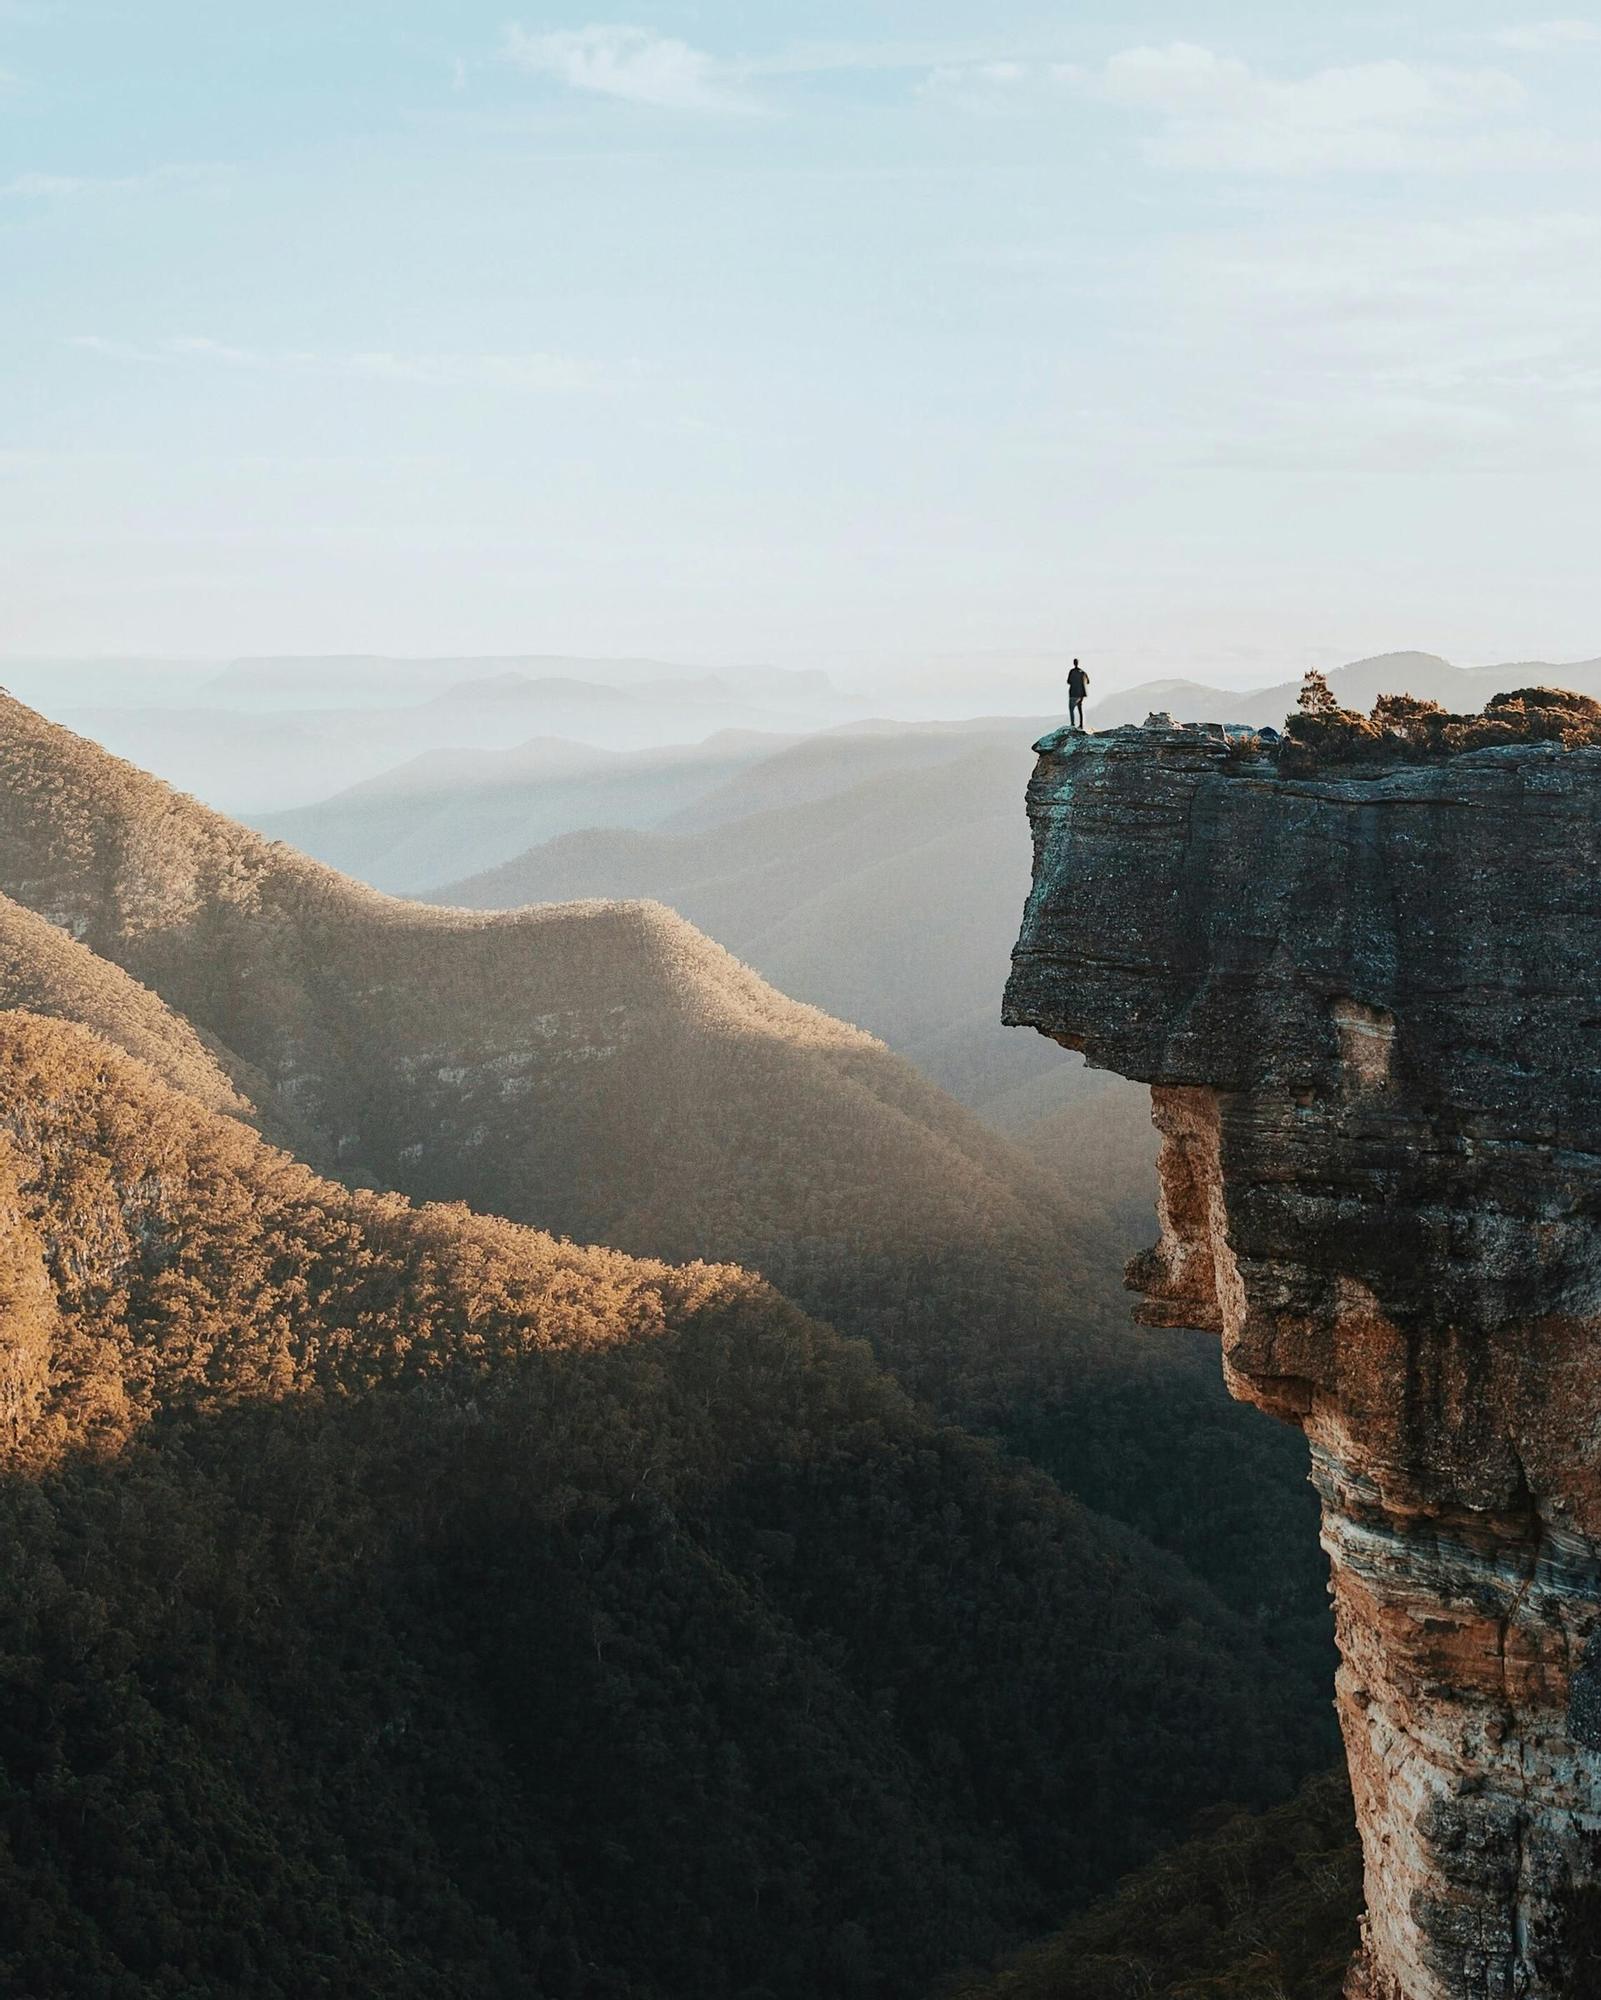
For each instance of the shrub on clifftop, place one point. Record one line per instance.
(1404, 730)
(1321, 732)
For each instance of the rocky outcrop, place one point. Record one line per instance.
(1369, 1009)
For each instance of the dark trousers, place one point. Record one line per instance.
(1075, 711)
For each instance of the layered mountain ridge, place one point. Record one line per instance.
(598, 1069)
(401, 1599)
(605, 1072)
(876, 873)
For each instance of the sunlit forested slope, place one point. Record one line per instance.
(606, 1072)
(47, 971)
(399, 1601)
(600, 1070)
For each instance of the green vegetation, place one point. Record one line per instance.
(1404, 730)
(401, 1601)
(1254, 1908)
(1158, 1444)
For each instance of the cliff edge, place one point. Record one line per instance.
(1369, 1008)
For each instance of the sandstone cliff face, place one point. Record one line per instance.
(1370, 1013)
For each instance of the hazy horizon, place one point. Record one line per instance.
(924, 687)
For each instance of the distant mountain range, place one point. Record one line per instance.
(377, 678)
(268, 736)
(269, 682)
(258, 762)
(452, 810)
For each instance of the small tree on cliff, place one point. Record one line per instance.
(1316, 696)
(1321, 731)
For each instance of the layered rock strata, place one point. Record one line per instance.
(1369, 1009)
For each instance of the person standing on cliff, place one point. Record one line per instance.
(1078, 685)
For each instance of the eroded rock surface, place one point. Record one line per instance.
(1369, 1009)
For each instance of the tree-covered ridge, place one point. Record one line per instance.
(600, 1070)
(179, 1260)
(47, 971)
(401, 1601)
(605, 1072)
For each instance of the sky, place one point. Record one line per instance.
(1226, 339)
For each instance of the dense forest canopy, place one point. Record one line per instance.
(411, 1596)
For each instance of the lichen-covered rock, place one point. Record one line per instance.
(1369, 1008)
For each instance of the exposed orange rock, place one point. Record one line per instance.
(1369, 1008)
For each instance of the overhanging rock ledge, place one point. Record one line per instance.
(1369, 1008)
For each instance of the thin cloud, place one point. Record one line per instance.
(1219, 113)
(522, 374)
(112, 350)
(829, 58)
(634, 64)
(990, 84)
(1545, 38)
(68, 187)
(1216, 113)
(42, 187)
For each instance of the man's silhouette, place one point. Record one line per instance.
(1078, 685)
